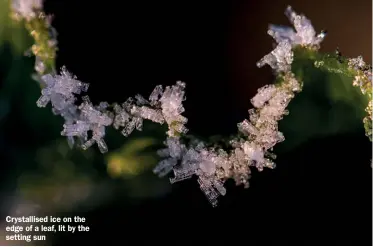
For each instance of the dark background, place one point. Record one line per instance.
(319, 194)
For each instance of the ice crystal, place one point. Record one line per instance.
(280, 58)
(172, 108)
(162, 106)
(91, 119)
(173, 152)
(206, 186)
(27, 8)
(304, 33)
(194, 160)
(60, 90)
(263, 95)
(155, 95)
(148, 113)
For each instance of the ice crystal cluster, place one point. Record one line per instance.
(213, 165)
(185, 157)
(87, 123)
(303, 33)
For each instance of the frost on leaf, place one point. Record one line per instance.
(27, 8)
(363, 79)
(62, 89)
(213, 165)
(302, 34)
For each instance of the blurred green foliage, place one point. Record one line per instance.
(12, 32)
(131, 159)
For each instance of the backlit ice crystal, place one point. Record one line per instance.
(91, 119)
(280, 58)
(304, 33)
(60, 89)
(172, 108)
(264, 94)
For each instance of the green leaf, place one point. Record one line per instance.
(328, 105)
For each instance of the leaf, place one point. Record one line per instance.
(328, 105)
(13, 32)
